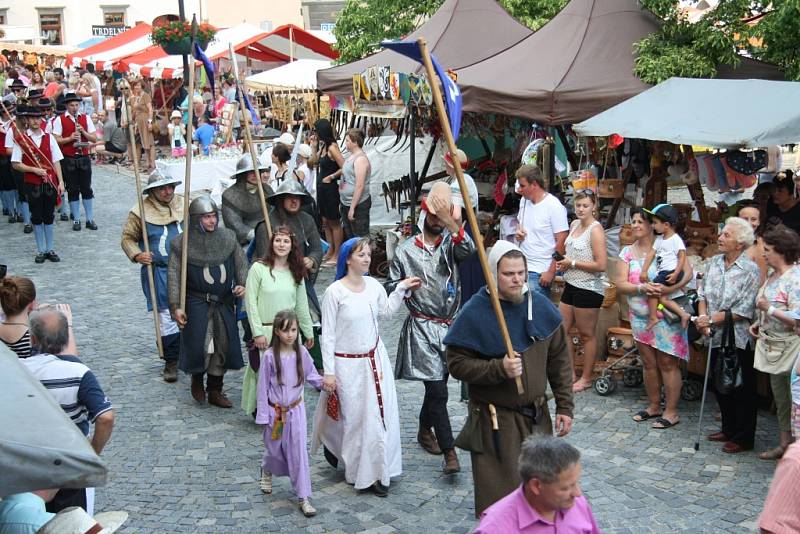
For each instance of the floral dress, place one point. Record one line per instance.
(666, 337)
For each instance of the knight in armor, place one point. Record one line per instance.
(163, 215)
(74, 131)
(241, 205)
(36, 155)
(215, 277)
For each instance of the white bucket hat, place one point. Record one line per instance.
(75, 520)
(286, 139)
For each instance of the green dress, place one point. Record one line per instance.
(267, 293)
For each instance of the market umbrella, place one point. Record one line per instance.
(40, 447)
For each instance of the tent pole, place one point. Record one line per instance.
(473, 221)
(412, 171)
(291, 43)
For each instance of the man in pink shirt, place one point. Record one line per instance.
(549, 499)
(781, 513)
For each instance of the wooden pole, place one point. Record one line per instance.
(473, 222)
(149, 267)
(252, 147)
(187, 181)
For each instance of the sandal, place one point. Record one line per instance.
(644, 415)
(772, 454)
(265, 483)
(329, 263)
(580, 385)
(664, 423)
(307, 509)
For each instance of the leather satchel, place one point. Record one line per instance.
(470, 438)
(728, 368)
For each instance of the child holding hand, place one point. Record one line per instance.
(285, 367)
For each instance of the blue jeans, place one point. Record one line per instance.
(533, 283)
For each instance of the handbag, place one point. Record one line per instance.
(332, 407)
(728, 368)
(470, 439)
(775, 354)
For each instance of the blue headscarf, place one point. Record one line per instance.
(344, 252)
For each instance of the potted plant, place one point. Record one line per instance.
(175, 37)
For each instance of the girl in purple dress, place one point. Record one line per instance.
(285, 367)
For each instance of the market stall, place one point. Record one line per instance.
(210, 174)
(43, 55)
(107, 53)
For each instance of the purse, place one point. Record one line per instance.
(332, 406)
(728, 368)
(469, 439)
(776, 354)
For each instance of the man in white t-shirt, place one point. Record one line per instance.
(542, 229)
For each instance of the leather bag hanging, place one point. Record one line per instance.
(728, 368)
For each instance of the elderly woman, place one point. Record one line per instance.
(777, 345)
(663, 347)
(729, 284)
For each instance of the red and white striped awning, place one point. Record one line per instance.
(106, 54)
(279, 46)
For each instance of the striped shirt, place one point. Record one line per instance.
(72, 385)
(22, 346)
(781, 513)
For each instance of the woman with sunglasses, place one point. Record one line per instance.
(584, 269)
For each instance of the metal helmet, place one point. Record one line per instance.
(245, 165)
(202, 205)
(156, 179)
(289, 186)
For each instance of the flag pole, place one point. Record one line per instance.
(149, 267)
(248, 136)
(473, 222)
(187, 182)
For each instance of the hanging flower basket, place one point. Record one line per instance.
(175, 37)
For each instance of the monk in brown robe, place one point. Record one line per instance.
(476, 354)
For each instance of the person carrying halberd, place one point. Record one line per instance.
(215, 276)
(241, 205)
(73, 130)
(499, 417)
(163, 215)
(433, 256)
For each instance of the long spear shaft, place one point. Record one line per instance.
(151, 282)
(473, 222)
(248, 137)
(187, 181)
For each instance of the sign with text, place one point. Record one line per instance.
(108, 31)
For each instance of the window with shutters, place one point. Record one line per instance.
(50, 25)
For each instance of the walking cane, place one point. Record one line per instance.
(705, 389)
(151, 283)
(473, 222)
(187, 182)
(248, 137)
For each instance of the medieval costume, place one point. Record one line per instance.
(475, 351)
(420, 352)
(216, 265)
(241, 205)
(163, 224)
(36, 154)
(76, 165)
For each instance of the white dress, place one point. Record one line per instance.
(366, 443)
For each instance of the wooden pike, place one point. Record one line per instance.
(151, 283)
(473, 221)
(248, 136)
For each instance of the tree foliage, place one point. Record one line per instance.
(363, 24)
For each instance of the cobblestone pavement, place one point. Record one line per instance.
(176, 466)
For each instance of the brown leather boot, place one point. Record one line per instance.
(450, 464)
(198, 389)
(171, 372)
(218, 398)
(428, 441)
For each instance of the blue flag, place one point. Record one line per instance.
(253, 114)
(452, 94)
(208, 66)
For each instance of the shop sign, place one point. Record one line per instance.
(108, 31)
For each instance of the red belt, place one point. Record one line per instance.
(439, 320)
(371, 356)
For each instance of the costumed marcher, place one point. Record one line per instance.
(434, 256)
(215, 277)
(13, 126)
(36, 154)
(163, 211)
(275, 282)
(241, 205)
(476, 354)
(74, 130)
(363, 433)
(12, 207)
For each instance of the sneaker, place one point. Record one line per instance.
(90, 225)
(52, 256)
(64, 217)
(265, 483)
(40, 257)
(28, 229)
(76, 226)
(307, 509)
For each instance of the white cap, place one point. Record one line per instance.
(304, 151)
(74, 520)
(286, 139)
(175, 114)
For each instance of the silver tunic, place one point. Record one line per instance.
(420, 352)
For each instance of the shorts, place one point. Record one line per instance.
(661, 278)
(114, 149)
(359, 226)
(581, 298)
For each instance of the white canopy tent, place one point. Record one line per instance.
(715, 113)
(300, 74)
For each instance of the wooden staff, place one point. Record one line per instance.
(473, 222)
(187, 181)
(151, 282)
(248, 136)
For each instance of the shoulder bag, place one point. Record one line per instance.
(728, 368)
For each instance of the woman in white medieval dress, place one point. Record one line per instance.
(364, 436)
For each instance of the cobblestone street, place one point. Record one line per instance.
(177, 466)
